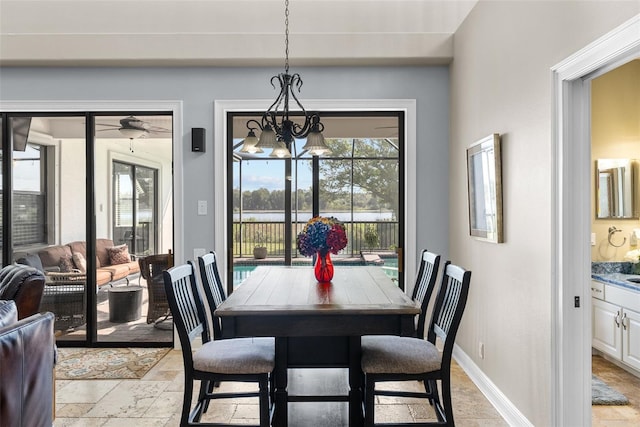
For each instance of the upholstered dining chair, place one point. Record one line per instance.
(393, 358)
(237, 359)
(215, 295)
(424, 286)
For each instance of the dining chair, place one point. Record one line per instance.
(215, 295)
(236, 360)
(422, 291)
(394, 358)
(424, 286)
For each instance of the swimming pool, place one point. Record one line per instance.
(241, 272)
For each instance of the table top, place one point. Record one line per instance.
(278, 290)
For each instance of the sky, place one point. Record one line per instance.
(269, 173)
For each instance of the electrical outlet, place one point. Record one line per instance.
(481, 350)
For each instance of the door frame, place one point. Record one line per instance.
(408, 106)
(571, 219)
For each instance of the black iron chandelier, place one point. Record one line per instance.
(277, 129)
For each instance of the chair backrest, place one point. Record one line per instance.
(152, 266)
(448, 309)
(186, 307)
(424, 286)
(24, 285)
(213, 289)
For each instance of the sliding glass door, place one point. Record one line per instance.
(89, 252)
(360, 183)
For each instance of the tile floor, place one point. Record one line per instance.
(625, 383)
(130, 332)
(156, 400)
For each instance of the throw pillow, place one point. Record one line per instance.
(80, 261)
(119, 254)
(66, 264)
(32, 260)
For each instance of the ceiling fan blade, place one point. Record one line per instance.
(108, 125)
(158, 129)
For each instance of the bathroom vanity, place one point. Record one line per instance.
(615, 317)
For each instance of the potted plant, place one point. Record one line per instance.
(259, 250)
(371, 237)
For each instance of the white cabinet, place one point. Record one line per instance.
(631, 338)
(615, 324)
(605, 326)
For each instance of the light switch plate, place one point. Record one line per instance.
(202, 207)
(593, 239)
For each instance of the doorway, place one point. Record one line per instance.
(70, 162)
(571, 220)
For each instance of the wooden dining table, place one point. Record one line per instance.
(317, 325)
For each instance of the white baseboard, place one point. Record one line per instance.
(505, 408)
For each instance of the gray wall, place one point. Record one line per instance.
(197, 88)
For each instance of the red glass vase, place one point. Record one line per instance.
(323, 268)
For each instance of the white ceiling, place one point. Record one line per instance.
(228, 32)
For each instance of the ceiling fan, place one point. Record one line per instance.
(132, 127)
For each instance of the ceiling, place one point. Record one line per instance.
(228, 32)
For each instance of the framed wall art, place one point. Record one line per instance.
(484, 172)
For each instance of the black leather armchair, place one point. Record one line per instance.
(27, 359)
(24, 285)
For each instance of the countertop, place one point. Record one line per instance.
(618, 279)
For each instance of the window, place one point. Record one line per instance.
(29, 196)
(134, 207)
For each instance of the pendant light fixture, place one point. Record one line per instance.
(277, 129)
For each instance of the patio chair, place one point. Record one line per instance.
(236, 359)
(393, 358)
(151, 268)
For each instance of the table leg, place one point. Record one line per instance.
(281, 416)
(355, 383)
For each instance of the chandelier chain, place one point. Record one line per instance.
(286, 36)
(279, 131)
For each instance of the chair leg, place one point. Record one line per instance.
(203, 401)
(446, 399)
(272, 388)
(186, 401)
(431, 389)
(369, 401)
(264, 401)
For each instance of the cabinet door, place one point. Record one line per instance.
(631, 338)
(605, 320)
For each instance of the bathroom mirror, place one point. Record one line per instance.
(616, 184)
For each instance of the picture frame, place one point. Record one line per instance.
(484, 172)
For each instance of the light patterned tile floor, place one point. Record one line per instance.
(156, 400)
(625, 383)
